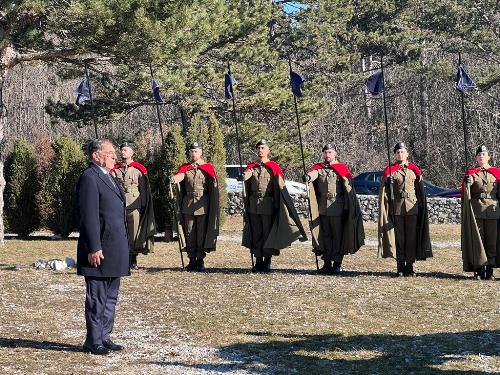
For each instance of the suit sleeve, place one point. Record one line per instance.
(88, 205)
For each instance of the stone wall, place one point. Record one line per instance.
(441, 210)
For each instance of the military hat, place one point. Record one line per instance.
(127, 144)
(327, 147)
(399, 146)
(195, 145)
(262, 142)
(481, 148)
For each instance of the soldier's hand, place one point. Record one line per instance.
(468, 180)
(306, 178)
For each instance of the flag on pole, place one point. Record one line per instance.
(228, 82)
(83, 92)
(463, 81)
(296, 82)
(375, 83)
(156, 91)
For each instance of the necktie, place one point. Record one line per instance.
(112, 181)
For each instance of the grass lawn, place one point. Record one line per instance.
(230, 321)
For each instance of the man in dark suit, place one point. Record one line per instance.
(102, 253)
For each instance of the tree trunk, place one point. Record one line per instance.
(3, 119)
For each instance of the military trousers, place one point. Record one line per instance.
(261, 226)
(488, 233)
(133, 219)
(330, 233)
(195, 228)
(405, 228)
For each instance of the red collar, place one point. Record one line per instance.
(207, 167)
(134, 164)
(493, 170)
(275, 167)
(340, 168)
(397, 167)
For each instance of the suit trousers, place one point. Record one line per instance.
(195, 228)
(100, 303)
(488, 233)
(330, 232)
(406, 237)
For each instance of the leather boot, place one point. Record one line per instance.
(259, 264)
(337, 268)
(401, 268)
(133, 262)
(409, 270)
(267, 265)
(327, 268)
(191, 265)
(480, 273)
(489, 273)
(200, 265)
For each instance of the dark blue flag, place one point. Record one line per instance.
(463, 81)
(375, 83)
(296, 82)
(228, 82)
(156, 91)
(83, 92)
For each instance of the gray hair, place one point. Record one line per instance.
(96, 145)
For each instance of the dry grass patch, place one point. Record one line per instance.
(230, 321)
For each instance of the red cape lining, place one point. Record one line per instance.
(207, 167)
(340, 168)
(397, 167)
(275, 167)
(134, 164)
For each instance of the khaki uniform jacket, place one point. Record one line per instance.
(477, 206)
(403, 205)
(196, 193)
(135, 183)
(286, 224)
(324, 183)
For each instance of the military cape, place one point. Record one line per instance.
(144, 239)
(353, 236)
(286, 226)
(386, 232)
(473, 252)
(212, 230)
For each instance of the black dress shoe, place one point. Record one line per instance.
(267, 265)
(259, 264)
(112, 346)
(337, 268)
(96, 349)
(192, 265)
(326, 269)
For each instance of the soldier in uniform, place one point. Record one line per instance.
(273, 221)
(197, 207)
(133, 178)
(403, 227)
(336, 219)
(480, 214)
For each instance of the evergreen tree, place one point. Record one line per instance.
(21, 188)
(69, 164)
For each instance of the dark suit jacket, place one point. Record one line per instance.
(100, 209)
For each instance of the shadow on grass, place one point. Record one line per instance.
(270, 353)
(41, 345)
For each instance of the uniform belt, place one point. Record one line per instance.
(405, 194)
(483, 196)
(195, 194)
(131, 189)
(331, 195)
(260, 194)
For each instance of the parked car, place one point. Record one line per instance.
(369, 183)
(233, 185)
